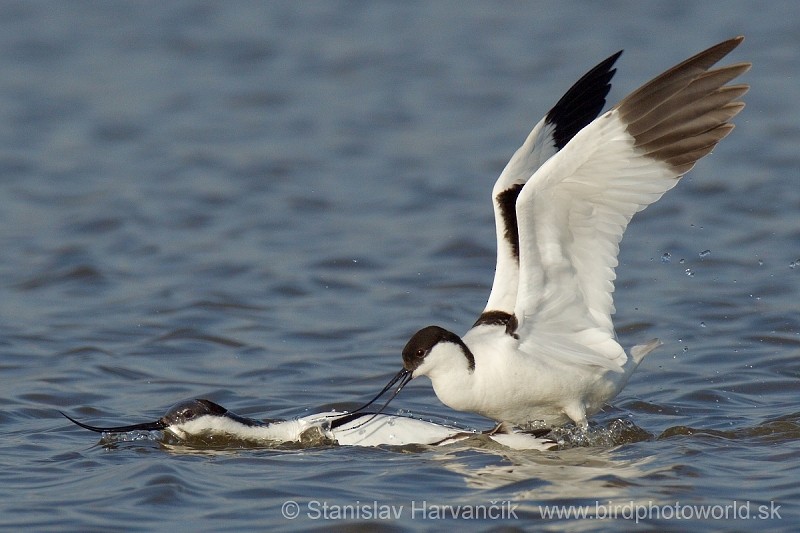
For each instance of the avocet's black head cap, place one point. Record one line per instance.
(178, 414)
(423, 341)
(190, 409)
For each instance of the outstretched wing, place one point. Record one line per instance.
(579, 106)
(573, 211)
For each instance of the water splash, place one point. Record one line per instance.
(131, 436)
(617, 432)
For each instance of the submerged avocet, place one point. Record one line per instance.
(204, 418)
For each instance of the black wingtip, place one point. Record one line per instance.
(582, 102)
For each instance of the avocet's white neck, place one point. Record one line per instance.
(448, 367)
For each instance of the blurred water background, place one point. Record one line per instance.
(259, 202)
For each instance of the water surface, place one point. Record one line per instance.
(258, 203)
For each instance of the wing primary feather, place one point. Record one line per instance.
(582, 102)
(653, 93)
(680, 116)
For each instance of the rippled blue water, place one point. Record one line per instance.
(258, 203)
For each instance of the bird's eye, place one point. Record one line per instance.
(188, 414)
(420, 353)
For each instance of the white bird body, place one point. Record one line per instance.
(544, 348)
(366, 430)
(570, 382)
(362, 431)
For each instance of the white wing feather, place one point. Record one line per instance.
(536, 149)
(572, 217)
(579, 105)
(573, 211)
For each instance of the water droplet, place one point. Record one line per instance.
(682, 261)
(760, 262)
(702, 324)
(666, 257)
(689, 272)
(705, 253)
(794, 264)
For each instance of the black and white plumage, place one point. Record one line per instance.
(544, 348)
(200, 418)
